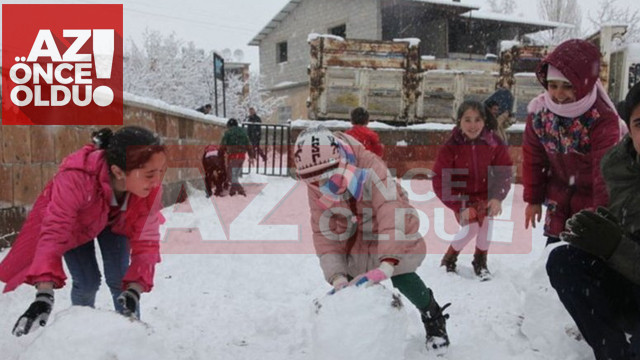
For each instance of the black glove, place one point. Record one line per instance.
(129, 300)
(596, 233)
(37, 312)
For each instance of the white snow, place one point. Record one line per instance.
(413, 42)
(359, 323)
(313, 36)
(155, 104)
(241, 299)
(508, 44)
(488, 15)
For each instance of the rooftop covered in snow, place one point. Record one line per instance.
(456, 6)
(525, 24)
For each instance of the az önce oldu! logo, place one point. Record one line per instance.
(62, 64)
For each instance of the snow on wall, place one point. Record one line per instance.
(413, 42)
(313, 36)
(161, 106)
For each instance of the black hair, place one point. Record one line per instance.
(621, 108)
(631, 102)
(490, 121)
(480, 108)
(359, 116)
(129, 148)
(232, 123)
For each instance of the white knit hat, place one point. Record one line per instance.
(554, 74)
(317, 155)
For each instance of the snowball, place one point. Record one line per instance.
(110, 335)
(360, 323)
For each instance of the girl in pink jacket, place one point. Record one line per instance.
(364, 229)
(110, 191)
(472, 177)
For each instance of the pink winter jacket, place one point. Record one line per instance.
(71, 211)
(383, 217)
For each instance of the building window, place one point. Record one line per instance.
(281, 52)
(284, 114)
(340, 30)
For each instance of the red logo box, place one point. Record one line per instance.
(62, 66)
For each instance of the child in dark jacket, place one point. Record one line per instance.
(477, 157)
(598, 278)
(360, 131)
(235, 143)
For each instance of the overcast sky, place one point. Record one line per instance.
(231, 24)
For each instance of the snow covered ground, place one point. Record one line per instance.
(245, 303)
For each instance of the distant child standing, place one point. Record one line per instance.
(499, 106)
(235, 144)
(360, 131)
(473, 176)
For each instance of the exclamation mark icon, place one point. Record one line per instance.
(103, 58)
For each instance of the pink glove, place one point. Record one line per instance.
(383, 272)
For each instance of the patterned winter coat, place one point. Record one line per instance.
(368, 138)
(468, 173)
(71, 211)
(235, 143)
(561, 165)
(379, 218)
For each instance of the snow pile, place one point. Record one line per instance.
(360, 323)
(70, 335)
(541, 308)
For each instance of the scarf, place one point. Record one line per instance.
(346, 181)
(579, 107)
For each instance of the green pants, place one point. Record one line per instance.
(411, 286)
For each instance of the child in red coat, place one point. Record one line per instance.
(570, 126)
(473, 176)
(360, 131)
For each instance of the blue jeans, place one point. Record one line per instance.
(85, 273)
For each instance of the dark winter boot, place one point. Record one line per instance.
(435, 324)
(449, 259)
(480, 265)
